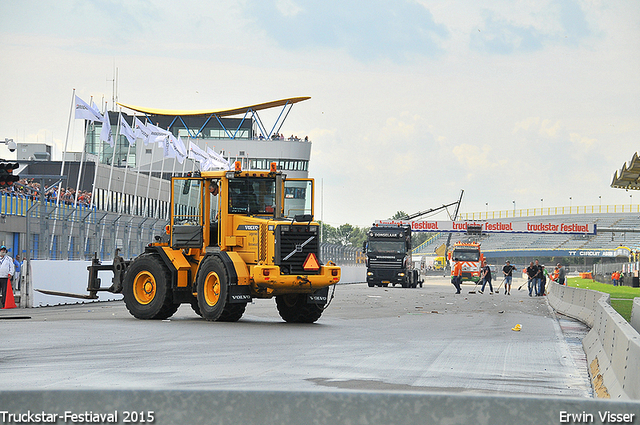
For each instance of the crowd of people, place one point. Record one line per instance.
(280, 136)
(537, 277)
(30, 189)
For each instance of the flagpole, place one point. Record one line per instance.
(64, 154)
(113, 157)
(157, 211)
(126, 169)
(75, 200)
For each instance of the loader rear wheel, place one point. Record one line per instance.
(294, 308)
(147, 288)
(212, 281)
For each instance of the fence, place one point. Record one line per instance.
(64, 232)
(342, 255)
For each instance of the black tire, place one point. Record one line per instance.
(195, 306)
(371, 284)
(147, 288)
(232, 312)
(212, 282)
(293, 308)
(385, 285)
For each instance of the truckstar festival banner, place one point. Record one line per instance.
(533, 226)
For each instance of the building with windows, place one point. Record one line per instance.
(244, 139)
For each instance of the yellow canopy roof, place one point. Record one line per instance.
(220, 113)
(629, 175)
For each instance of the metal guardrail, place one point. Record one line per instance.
(530, 212)
(342, 255)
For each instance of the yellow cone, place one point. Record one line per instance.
(517, 327)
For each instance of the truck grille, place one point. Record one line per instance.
(293, 244)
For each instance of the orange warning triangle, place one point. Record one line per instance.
(311, 263)
(9, 301)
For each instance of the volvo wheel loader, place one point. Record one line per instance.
(232, 236)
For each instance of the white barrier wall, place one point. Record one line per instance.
(635, 314)
(612, 345)
(353, 274)
(64, 276)
(72, 277)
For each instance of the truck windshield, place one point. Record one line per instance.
(252, 196)
(386, 247)
(466, 255)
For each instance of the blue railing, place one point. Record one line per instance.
(19, 205)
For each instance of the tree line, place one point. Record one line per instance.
(349, 235)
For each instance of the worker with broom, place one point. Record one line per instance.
(486, 277)
(507, 270)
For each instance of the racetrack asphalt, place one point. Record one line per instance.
(389, 339)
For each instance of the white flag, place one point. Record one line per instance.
(127, 131)
(157, 134)
(85, 112)
(141, 131)
(217, 161)
(169, 147)
(105, 134)
(181, 150)
(199, 155)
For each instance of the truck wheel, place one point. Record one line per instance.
(293, 308)
(147, 288)
(371, 284)
(232, 312)
(212, 284)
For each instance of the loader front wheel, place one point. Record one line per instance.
(147, 288)
(294, 308)
(212, 281)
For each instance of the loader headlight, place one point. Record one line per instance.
(369, 273)
(401, 274)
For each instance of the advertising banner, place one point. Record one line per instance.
(530, 226)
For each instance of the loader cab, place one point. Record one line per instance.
(187, 212)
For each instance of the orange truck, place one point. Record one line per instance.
(469, 254)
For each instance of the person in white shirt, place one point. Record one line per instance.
(6, 271)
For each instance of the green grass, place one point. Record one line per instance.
(622, 306)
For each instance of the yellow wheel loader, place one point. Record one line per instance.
(232, 236)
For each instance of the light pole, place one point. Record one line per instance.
(486, 204)
(514, 208)
(570, 202)
(541, 203)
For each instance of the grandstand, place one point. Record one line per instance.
(610, 235)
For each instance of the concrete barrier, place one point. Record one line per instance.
(635, 314)
(299, 407)
(612, 345)
(353, 274)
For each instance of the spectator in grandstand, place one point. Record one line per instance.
(562, 274)
(507, 270)
(486, 277)
(532, 271)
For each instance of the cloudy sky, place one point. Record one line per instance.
(411, 101)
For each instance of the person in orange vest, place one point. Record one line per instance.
(457, 276)
(615, 276)
(6, 271)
